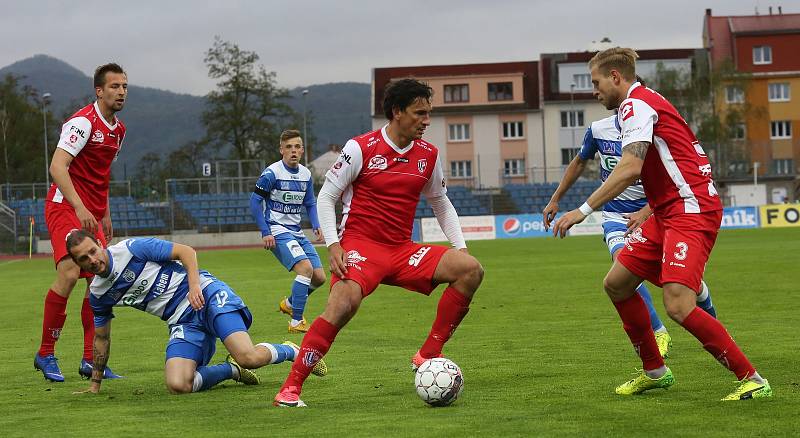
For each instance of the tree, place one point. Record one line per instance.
(21, 133)
(248, 109)
(696, 96)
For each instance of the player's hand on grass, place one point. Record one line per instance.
(549, 213)
(108, 230)
(269, 241)
(564, 223)
(195, 297)
(635, 220)
(88, 222)
(337, 260)
(93, 389)
(318, 235)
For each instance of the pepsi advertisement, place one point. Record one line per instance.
(520, 225)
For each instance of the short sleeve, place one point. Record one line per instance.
(636, 120)
(152, 249)
(265, 184)
(74, 135)
(102, 312)
(436, 186)
(347, 167)
(589, 147)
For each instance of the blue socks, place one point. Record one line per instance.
(280, 352)
(299, 296)
(655, 321)
(704, 301)
(208, 376)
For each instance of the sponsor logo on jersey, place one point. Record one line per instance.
(378, 162)
(72, 139)
(354, 258)
(344, 157)
(512, 226)
(161, 284)
(98, 136)
(422, 164)
(128, 275)
(626, 112)
(293, 197)
(424, 145)
(400, 160)
(371, 142)
(417, 256)
(705, 169)
(607, 147)
(75, 130)
(337, 165)
(610, 162)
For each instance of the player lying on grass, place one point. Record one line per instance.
(162, 278)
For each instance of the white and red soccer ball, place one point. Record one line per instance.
(439, 381)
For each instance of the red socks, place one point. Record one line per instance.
(453, 306)
(636, 322)
(716, 340)
(55, 307)
(315, 345)
(87, 319)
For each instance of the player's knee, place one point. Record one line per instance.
(472, 271)
(178, 386)
(304, 268)
(612, 287)
(318, 278)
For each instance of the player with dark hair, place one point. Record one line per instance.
(379, 177)
(78, 198)
(673, 245)
(282, 190)
(162, 278)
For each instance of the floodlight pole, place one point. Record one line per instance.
(45, 98)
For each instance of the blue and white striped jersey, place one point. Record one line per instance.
(604, 138)
(286, 191)
(143, 275)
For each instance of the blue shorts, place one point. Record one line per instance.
(195, 335)
(290, 249)
(614, 235)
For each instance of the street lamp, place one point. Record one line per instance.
(45, 101)
(305, 129)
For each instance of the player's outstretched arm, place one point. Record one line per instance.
(447, 217)
(627, 171)
(571, 174)
(102, 349)
(188, 258)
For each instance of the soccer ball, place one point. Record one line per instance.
(439, 381)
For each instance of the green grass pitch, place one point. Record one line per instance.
(541, 350)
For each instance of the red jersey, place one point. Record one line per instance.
(94, 144)
(676, 174)
(382, 184)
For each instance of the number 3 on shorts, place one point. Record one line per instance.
(682, 248)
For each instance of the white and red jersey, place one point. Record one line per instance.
(94, 144)
(676, 174)
(382, 184)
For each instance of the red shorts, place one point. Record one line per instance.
(408, 265)
(672, 250)
(61, 219)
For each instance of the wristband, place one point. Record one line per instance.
(585, 209)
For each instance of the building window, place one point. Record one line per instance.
(567, 154)
(762, 55)
(456, 93)
(582, 82)
(783, 166)
(461, 169)
(734, 94)
(458, 132)
(514, 167)
(738, 131)
(779, 92)
(781, 129)
(571, 119)
(501, 91)
(512, 130)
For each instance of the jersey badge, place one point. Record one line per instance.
(378, 162)
(128, 275)
(422, 164)
(98, 136)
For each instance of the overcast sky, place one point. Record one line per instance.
(161, 43)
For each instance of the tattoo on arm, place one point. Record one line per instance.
(637, 149)
(102, 345)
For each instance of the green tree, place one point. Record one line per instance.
(248, 109)
(22, 133)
